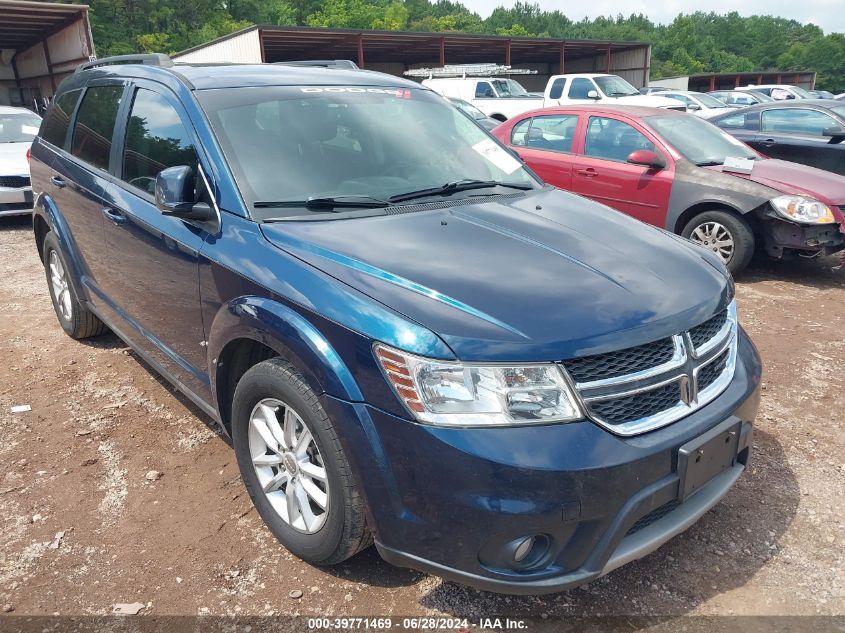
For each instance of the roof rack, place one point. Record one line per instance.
(467, 70)
(148, 59)
(323, 63)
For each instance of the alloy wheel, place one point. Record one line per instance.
(716, 237)
(61, 288)
(289, 466)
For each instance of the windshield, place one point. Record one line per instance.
(470, 109)
(509, 88)
(19, 128)
(709, 101)
(801, 92)
(614, 86)
(698, 141)
(363, 145)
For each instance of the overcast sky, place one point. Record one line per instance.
(828, 14)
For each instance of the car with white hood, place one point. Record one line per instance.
(18, 127)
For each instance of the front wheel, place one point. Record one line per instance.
(726, 234)
(294, 467)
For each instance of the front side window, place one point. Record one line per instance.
(58, 119)
(613, 140)
(19, 127)
(708, 101)
(92, 134)
(553, 132)
(796, 121)
(580, 87)
(682, 98)
(484, 90)
(289, 144)
(732, 121)
(155, 139)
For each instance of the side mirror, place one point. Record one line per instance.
(175, 196)
(693, 107)
(647, 158)
(836, 133)
(592, 94)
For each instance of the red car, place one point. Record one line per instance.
(669, 169)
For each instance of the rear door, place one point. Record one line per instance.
(545, 143)
(600, 170)
(795, 134)
(155, 258)
(80, 177)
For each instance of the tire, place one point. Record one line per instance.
(708, 227)
(76, 319)
(274, 390)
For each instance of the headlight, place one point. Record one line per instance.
(801, 209)
(456, 394)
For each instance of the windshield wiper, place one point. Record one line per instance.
(325, 203)
(456, 186)
(709, 163)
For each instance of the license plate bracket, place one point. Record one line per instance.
(708, 455)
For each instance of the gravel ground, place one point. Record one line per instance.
(83, 526)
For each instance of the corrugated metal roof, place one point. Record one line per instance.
(24, 23)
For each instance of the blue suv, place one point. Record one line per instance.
(409, 338)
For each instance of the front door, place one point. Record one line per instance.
(155, 258)
(601, 171)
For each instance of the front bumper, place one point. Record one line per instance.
(812, 239)
(453, 501)
(15, 200)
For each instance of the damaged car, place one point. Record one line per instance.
(685, 175)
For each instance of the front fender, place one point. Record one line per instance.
(290, 335)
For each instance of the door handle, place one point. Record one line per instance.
(58, 181)
(114, 216)
(588, 173)
(767, 142)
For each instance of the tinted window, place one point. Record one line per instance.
(483, 89)
(554, 132)
(92, 133)
(155, 139)
(55, 125)
(580, 87)
(557, 88)
(796, 121)
(614, 140)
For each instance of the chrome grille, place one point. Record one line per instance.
(649, 386)
(15, 182)
(626, 361)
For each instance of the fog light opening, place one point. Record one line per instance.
(528, 552)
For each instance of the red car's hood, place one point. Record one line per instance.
(796, 179)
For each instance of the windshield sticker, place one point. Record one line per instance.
(496, 155)
(738, 165)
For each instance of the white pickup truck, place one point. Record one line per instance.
(503, 98)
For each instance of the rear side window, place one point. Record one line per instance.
(55, 125)
(484, 90)
(519, 134)
(155, 139)
(92, 133)
(556, 91)
(732, 121)
(553, 132)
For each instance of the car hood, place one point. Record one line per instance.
(797, 179)
(545, 276)
(13, 159)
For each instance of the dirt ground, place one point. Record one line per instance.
(189, 542)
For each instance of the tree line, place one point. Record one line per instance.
(692, 43)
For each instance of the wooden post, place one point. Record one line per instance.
(261, 46)
(712, 82)
(736, 82)
(442, 51)
(608, 59)
(508, 53)
(562, 55)
(360, 50)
